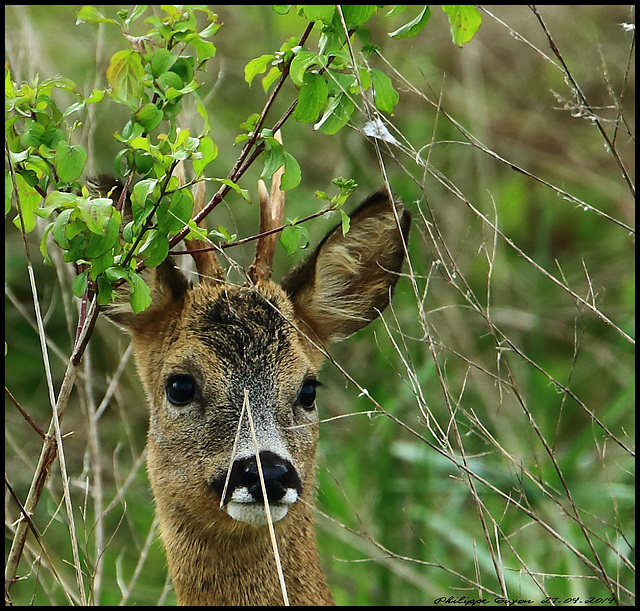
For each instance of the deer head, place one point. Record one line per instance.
(231, 374)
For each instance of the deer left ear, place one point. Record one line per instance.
(168, 287)
(348, 280)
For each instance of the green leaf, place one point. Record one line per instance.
(149, 117)
(138, 11)
(155, 249)
(79, 285)
(345, 221)
(311, 99)
(177, 214)
(257, 66)
(128, 234)
(105, 291)
(96, 213)
(98, 245)
(184, 68)
(140, 297)
(140, 143)
(70, 161)
(209, 151)
(196, 232)
(319, 12)
(275, 157)
(100, 264)
(272, 76)
(293, 237)
(90, 14)
(222, 232)
(384, 95)
(59, 229)
(43, 241)
(357, 14)
(55, 200)
(397, 10)
(212, 28)
(302, 60)
(97, 95)
(336, 114)
(465, 19)
(140, 193)
(411, 29)
(29, 201)
(204, 49)
(115, 273)
(290, 238)
(162, 61)
(168, 80)
(202, 111)
(125, 74)
(243, 192)
(292, 173)
(181, 138)
(304, 236)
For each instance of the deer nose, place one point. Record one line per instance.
(278, 473)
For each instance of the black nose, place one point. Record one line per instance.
(279, 476)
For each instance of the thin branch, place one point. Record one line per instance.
(25, 414)
(242, 163)
(583, 100)
(254, 237)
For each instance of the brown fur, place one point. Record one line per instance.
(251, 341)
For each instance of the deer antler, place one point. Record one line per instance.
(271, 215)
(207, 263)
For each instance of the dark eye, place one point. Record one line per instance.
(307, 396)
(180, 389)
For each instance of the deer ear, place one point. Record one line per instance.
(168, 287)
(348, 280)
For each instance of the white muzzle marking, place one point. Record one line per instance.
(244, 508)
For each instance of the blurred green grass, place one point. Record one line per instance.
(374, 476)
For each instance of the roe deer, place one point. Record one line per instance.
(231, 374)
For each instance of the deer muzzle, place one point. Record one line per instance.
(244, 497)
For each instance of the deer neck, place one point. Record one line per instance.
(210, 568)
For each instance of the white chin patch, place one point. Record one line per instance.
(244, 508)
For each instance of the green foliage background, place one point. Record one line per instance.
(375, 477)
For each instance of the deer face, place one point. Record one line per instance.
(229, 350)
(231, 371)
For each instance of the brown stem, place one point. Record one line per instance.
(242, 163)
(49, 448)
(147, 223)
(25, 415)
(253, 237)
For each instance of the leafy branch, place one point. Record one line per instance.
(111, 231)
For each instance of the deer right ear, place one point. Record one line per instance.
(348, 280)
(168, 287)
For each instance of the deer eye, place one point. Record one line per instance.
(307, 396)
(180, 389)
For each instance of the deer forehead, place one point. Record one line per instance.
(244, 335)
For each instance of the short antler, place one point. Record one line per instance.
(271, 215)
(207, 263)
